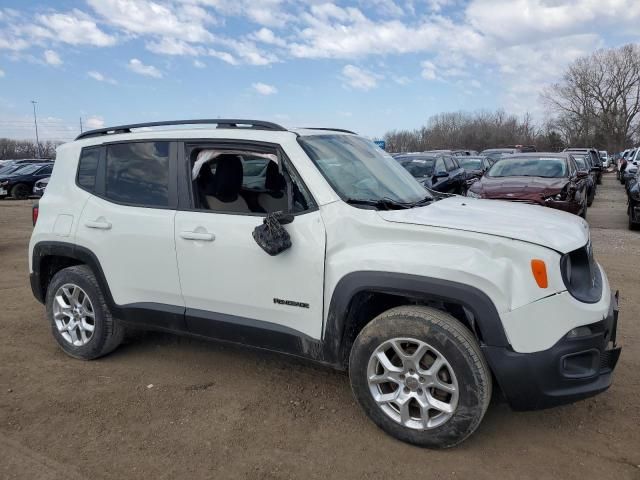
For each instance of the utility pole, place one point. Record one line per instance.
(80, 124)
(35, 121)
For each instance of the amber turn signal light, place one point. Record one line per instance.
(539, 270)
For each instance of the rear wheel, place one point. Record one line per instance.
(20, 191)
(419, 374)
(80, 318)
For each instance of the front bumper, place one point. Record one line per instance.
(573, 369)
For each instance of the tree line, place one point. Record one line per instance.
(596, 103)
(15, 149)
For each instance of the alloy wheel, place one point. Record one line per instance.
(413, 383)
(74, 315)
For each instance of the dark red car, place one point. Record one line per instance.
(547, 179)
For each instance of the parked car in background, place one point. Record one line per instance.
(474, 168)
(40, 186)
(463, 153)
(547, 179)
(19, 183)
(631, 169)
(509, 150)
(582, 162)
(604, 156)
(633, 205)
(438, 172)
(595, 160)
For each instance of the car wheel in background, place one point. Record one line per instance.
(20, 191)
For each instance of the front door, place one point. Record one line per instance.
(227, 280)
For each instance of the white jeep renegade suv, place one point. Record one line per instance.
(316, 243)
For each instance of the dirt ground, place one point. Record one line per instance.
(167, 407)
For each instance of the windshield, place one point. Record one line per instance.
(418, 167)
(580, 162)
(357, 169)
(26, 169)
(9, 168)
(546, 167)
(469, 163)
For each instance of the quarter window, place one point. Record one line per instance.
(138, 173)
(88, 167)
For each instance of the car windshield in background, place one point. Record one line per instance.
(546, 167)
(26, 169)
(470, 163)
(418, 166)
(580, 162)
(357, 169)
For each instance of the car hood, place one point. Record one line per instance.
(543, 226)
(519, 187)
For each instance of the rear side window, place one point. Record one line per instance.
(138, 173)
(88, 168)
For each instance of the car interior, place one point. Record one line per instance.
(239, 182)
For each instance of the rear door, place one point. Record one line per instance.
(128, 224)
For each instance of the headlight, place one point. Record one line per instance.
(4, 182)
(473, 194)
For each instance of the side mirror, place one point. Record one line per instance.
(271, 235)
(583, 174)
(441, 174)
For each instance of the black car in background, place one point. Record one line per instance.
(40, 186)
(596, 161)
(582, 162)
(19, 183)
(435, 171)
(633, 197)
(474, 167)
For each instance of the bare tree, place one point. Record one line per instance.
(15, 149)
(598, 100)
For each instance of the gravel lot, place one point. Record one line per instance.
(168, 407)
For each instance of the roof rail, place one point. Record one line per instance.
(221, 123)
(330, 129)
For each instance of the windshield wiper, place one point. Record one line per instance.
(388, 203)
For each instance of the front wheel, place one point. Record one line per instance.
(419, 374)
(20, 191)
(80, 318)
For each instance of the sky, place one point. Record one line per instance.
(365, 65)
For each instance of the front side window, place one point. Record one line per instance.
(359, 170)
(138, 173)
(470, 163)
(236, 181)
(449, 163)
(529, 167)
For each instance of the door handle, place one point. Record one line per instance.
(98, 225)
(204, 237)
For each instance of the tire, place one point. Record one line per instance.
(107, 332)
(20, 191)
(443, 337)
(584, 213)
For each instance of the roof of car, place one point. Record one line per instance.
(196, 127)
(540, 155)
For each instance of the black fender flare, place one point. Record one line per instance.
(83, 255)
(486, 315)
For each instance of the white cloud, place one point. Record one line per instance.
(140, 68)
(359, 78)
(173, 46)
(199, 64)
(265, 35)
(149, 17)
(264, 89)
(100, 77)
(94, 121)
(428, 70)
(52, 58)
(224, 56)
(75, 28)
